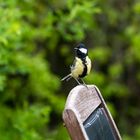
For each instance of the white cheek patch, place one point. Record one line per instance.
(83, 50)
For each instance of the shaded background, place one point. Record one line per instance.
(37, 38)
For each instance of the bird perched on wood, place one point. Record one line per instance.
(81, 65)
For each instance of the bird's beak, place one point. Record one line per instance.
(75, 48)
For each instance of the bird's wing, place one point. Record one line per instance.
(73, 65)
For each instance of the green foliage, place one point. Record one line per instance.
(36, 41)
(27, 94)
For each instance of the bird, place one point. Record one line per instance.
(81, 66)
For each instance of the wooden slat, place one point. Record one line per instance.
(75, 128)
(83, 101)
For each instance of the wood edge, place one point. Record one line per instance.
(74, 125)
(117, 133)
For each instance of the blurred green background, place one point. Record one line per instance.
(37, 38)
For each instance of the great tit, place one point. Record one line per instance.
(81, 65)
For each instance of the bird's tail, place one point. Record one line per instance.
(66, 77)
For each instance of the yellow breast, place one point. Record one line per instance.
(79, 67)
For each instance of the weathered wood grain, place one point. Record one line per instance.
(74, 126)
(81, 102)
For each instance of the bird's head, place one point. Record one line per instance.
(81, 51)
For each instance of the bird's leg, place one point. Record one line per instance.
(84, 83)
(77, 81)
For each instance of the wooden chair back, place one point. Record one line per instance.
(87, 117)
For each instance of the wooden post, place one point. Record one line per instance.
(81, 107)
